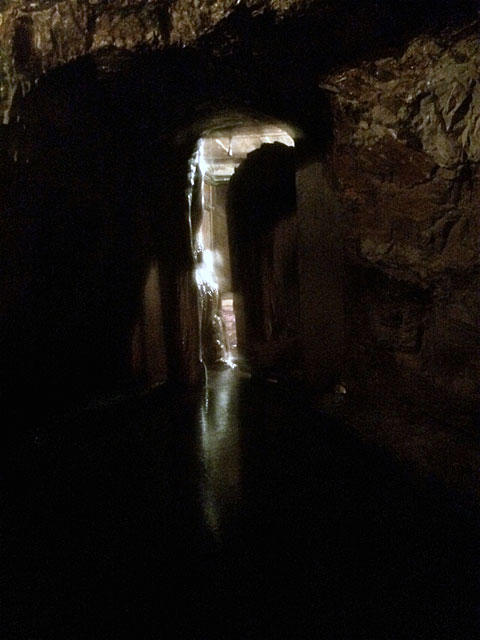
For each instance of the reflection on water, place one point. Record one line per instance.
(220, 449)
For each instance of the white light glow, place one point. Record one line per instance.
(202, 162)
(205, 272)
(284, 138)
(220, 153)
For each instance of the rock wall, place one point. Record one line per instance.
(321, 278)
(406, 159)
(96, 287)
(261, 212)
(36, 37)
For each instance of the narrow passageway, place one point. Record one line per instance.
(234, 512)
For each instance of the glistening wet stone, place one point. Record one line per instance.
(229, 513)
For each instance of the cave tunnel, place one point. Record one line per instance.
(239, 294)
(248, 241)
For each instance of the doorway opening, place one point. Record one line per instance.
(222, 315)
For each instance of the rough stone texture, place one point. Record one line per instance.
(127, 30)
(36, 37)
(87, 155)
(406, 157)
(429, 97)
(190, 18)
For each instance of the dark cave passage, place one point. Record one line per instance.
(108, 202)
(240, 293)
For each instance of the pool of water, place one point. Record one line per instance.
(232, 512)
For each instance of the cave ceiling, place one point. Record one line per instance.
(36, 36)
(299, 40)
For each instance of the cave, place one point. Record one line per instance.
(248, 243)
(239, 293)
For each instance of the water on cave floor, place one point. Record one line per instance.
(233, 512)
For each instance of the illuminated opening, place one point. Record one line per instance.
(218, 155)
(228, 314)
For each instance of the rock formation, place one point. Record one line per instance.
(406, 155)
(102, 104)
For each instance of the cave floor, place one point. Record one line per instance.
(235, 512)
(435, 443)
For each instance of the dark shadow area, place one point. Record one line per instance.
(247, 516)
(93, 189)
(261, 212)
(327, 36)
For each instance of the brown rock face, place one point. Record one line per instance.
(102, 104)
(406, 156)
(36, 37)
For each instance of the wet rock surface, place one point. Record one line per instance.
(236, 514)
(406, 157)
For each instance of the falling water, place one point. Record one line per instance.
(209, 313)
